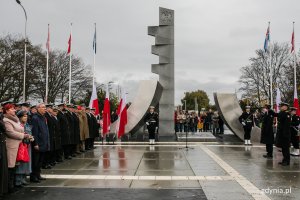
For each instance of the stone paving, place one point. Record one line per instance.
(221, 171)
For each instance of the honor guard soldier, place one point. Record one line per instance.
(151, 120)
(294, 131)
(267, 133)
(246, 119)
(283, 137)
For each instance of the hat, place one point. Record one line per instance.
(151, 107)
(60, 104)
(21, 113)
(248, 107)
(93, 108)
(49, 105)
(6, 102)
(88, 108)
(284, 104)
(26, 104)
(33, 106)
(293, 108)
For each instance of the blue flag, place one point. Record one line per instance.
(267, 39)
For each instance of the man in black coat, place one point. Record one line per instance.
(57, 139)
(89, 141)
(41, 144)
(267, 133)
(64, 130)
(294, 131)
(50, 155)
(76, 140)
(96, 126)
(71, 122)
(151, 120)
(283, 137)
(246, 119)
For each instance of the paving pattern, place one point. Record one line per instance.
(210, 170)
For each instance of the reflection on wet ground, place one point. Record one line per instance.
(222, 171)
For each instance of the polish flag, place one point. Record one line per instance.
(296, 102)
(122, 116)
(94, 100)
(69, 44)
(106, 114)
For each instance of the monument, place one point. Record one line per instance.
(164, 48)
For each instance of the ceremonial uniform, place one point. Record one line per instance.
(246, 119)
(151, 120)
(283, 137)
(65, 133)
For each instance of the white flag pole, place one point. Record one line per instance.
(70, 67)
(295, 65)
(95, 43)
(47, 66)
(271, 69)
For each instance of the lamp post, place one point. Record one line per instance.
(25, 51)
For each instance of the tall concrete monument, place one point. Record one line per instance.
(164, 48)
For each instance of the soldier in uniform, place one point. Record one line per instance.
(267, 133)
(151, 120)
(246, 119)
(294, 131)
(283, 137)
(50, 155)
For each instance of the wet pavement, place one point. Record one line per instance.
(212, 170)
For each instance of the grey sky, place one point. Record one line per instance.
(213, 39)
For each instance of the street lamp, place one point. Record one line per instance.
(25, 50)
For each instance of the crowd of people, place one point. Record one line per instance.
(279, 128)
(203, 122)
(39, 137)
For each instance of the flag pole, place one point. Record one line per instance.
(70, 68)
(295, 65)
(47, 66)
(271, 70)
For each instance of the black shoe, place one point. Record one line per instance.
(19, 186)
(267, 156)
(41, 178)
(59, 160)
(35, 180)
(73, 155)
(77, 152)
(284, 163)
(68, 158)
(82, 151)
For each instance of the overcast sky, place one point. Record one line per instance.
(213, 38)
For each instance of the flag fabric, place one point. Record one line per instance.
(293, 42)
(69, 44)
(48, 40)
(296, 102)
(94, 100)
(122, 116)
(95, 42)
(267, 39)
(106, 114)
(278, 100)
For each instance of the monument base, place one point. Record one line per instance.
(196, 137)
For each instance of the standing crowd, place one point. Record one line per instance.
(202, 122)
(39, 137)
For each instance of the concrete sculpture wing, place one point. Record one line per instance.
(149, 93)
(230, 111)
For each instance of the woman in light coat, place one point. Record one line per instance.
(14, 136)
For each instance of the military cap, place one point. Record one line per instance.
(93, 108)
(49, 105)
(60, 104)
(248, 107)
(88, 108)
(32, 106)
(284, 104)
(151, 107)
(6, 102)
(293, 108)
(26, 104)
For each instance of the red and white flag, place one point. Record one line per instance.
(106, 114)
(293, 41)
(122, 116)
(296, 102)
(94, 100)
(69, 44)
